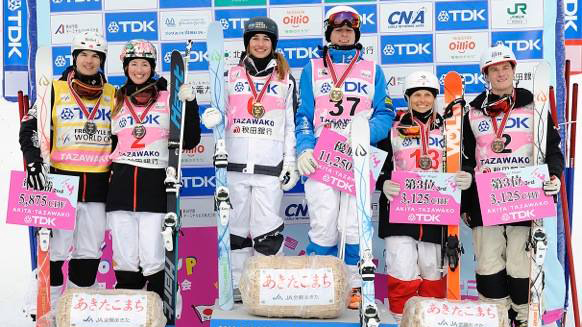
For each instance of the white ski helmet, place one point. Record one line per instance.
(496, 54)
(352, 18)
(89, 40)
(421, 80)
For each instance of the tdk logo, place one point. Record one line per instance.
(525, 44)
(299, 52)
(242, 86)
(197, 181)
(368, 14)
(474, 82)
(571, 28)
(15, 33)
(461, 15)
(75, 5)
(398, 49)
(198, 55)
(233, 21)
(61, 59)
(127, 26)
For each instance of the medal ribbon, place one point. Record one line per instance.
(90, 115)
(424, 134)
(499, 130)
(132, 111)
(252, 86)
(336, 82)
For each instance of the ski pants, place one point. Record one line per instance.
(502, 266)
(256, 201)
(413, 268)
(330, 213)
(137, 241)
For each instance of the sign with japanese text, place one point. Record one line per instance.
(288, 286)
(334, 157)
(98, 310)
(514, 195)
(54, 208)
(426, 198)
(470, 314)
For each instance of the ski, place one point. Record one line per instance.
(43, 84)
(360, 137)
(222, 206)
(172, 221)
(454, 103)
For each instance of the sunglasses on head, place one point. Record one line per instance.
(344, 17)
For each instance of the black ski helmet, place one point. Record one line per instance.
(262, 25)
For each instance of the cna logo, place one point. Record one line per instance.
(61, 59)
(572, 28)
(456, 47)
(298, 21)
(461, 15)
(369, 16)
(197, 181)
(75, 5)
(233, 21)
(474, 81)
(15, 33)
(198, 55)
(185, 3)
(126, 26)
(299, 52)
(406, 17)
(525, 44)
(400, 49)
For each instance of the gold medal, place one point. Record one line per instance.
(139, 131)
(424, 162)
(336, 94)
(90, 128)
(258, 110)
(498, 145)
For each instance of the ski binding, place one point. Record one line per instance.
(170, 221)
(453, 251)
(369, 316)
(44, 235)
(367, 267)
(222, 204)
(220, 155)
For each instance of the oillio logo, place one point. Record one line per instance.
(296, 20)
(461, 46)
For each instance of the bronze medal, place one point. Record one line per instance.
(336, 94)
(90, 128)
(425, 162)
(258, 110)
(497, 145)
(139, 131)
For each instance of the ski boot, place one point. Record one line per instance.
(367, 267)
(168, 228)
(222, 204)
(453, 251)
(369, 316)
(220, 155)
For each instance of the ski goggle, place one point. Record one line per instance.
(341, 18)
(408, 130)
(502, 105)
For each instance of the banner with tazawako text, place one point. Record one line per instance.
(402, 36)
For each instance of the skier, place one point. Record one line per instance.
(413, 251)
(81, 101)
(329, 209)
(136, 203)
(502, 262)
(261, 100)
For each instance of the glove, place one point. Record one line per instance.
(36, 175)
(289, 176)
(187, 92)
(464, 180)
(306, 164)
(552, 187)
(391, 189)
(211, 117)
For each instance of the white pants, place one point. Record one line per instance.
(87, 238)
(137, 241)
(409, 259)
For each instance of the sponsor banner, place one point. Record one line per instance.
(116, 80)
(465, 15)
(201, 82)
(431, 198)
(283, 287)
(400, 104)
(239, 3)
(198, 55)
(75, 5)
(294, 209)
(460, 47)
(524, 73)
(62, 59)
(15, 34)
(125, 26)
(404, 49)
(65, 27)
(299, 52)
(396, 75)
(474, 81)
(406, 17)
(130, 4)
(233, 50)
(369, 47)
(298, 21)
(572, 19)
(185, 3)
(514, 195)
(525, 44)
(184, 25)
(53, 208)
(369, 17)
(197, 181)
(517, 14)
(233, 20)
(202, 153)
(198, 211)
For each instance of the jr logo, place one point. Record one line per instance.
(519, 7)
